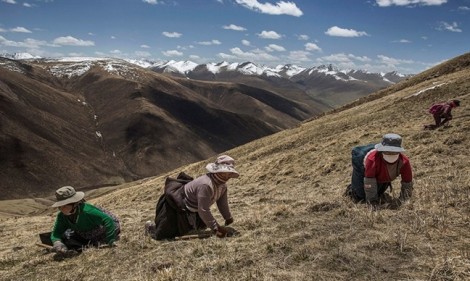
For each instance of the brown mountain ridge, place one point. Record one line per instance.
(105, 122)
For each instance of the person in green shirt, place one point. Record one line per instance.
(80, 224)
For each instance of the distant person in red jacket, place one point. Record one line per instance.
(374, 172)
(442, 113)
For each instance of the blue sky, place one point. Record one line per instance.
(408, 36)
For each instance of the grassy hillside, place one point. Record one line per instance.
(294, 223)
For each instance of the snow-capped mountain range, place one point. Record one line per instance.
(214, 71)
(288, 71)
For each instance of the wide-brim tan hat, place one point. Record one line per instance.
(223, 164)
(67, 195)
(222, 168)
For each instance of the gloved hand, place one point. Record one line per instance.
(228, 221)
(221, 231)
(406, 191)
(59, 247)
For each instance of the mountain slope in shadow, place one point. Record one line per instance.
(107, 122)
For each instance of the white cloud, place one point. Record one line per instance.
(254, 55)
(343, 32)
(172, 53)
(269, 35)
(27, 43)
(464, 8)
(361, 59)
(234, 27)
(343, 60)
(274, 47)
(299, 56)
(113, 37)
(20, 29)
(9, 1)
(303, 37)
(172, 34)
(312, 47)
(91, 34)
(27, 5)
(152, 2)
(2, 30)
(194, 57)
(115, 52)
(402, 41)
(208, 43)
(392, 62)
(280, 8)
(72, 41)
(246, 42)
(454, 27)
(387, 3)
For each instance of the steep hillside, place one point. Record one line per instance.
(95, 122)
(294, 223)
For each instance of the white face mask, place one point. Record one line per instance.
(390, 158)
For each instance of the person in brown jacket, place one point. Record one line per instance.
(442, 113)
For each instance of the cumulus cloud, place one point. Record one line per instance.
(9, 1)
(234, 27)
(393, 62)
(172, 53)
(274, 48)
(454, 27)
(312, 47)
(387, 3)
(343, 32)
(208, 43)
(20, 29)
(145, 46)
(115, 52)
(72, 41)
(280, 8)
(172, 34)
(303, 37)
(246, 42)
(27, 43)
(269, 35)
(299, 56)
(152, 2)
(402, 41)
(27, 5)
(254, 55)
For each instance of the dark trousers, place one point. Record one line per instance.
(357, 186)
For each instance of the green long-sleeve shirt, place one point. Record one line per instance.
(88, 218)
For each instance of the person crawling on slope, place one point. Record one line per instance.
(80, 224)
(185, 206)
(375, 167)
(442, 113)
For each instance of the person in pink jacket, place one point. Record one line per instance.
(442, 113)
(185, 206)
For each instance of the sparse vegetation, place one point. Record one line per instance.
(294, 223)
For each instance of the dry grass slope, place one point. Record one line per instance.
(287, 204)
